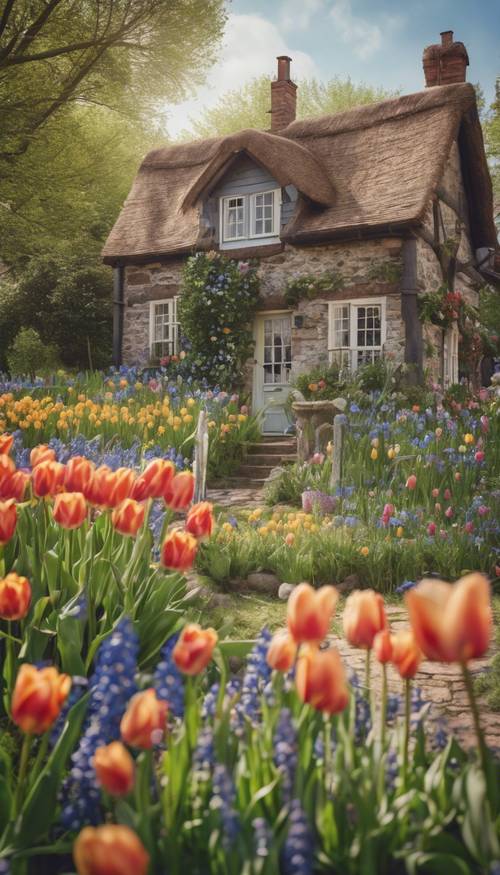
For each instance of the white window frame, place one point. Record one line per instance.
(351, 351)
(249, 215)
(173, 327)
(450, 355)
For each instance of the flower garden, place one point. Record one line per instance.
(139, 735)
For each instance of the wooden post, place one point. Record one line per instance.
(201, 457)
(339, 424)
(409, 312)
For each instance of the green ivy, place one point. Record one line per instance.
(216, 309)
(310, 286)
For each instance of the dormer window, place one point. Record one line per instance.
(249, 217)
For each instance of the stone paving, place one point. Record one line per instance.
(245, 497)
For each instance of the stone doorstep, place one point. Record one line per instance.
(273, 448)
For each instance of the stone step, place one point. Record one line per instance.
(274, 448)
(258, 471)
(244, 482)
(269, 459)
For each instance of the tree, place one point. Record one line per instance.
(248, 107)
(123, 54)
(492, 139)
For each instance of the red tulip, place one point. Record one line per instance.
(41, 453)
(282, 651)
(111, 849)
(7, 468)
(406, 654)
(382, 646)
(178, 550)
(6, 441)
(200, 520)
(15, 485)
(15, 597)
(179, 492)
(364, 616)
(310, 612)
(128, 517)
(78, 474)
(38, 697)
(121, 483)
(154, 480)
(411, 483)
(47, 478)
(143, 723)
(194, 648)
(320, 680)
(114, 768)
(70, 509)
(8, 520)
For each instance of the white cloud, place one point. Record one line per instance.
(298, 14)
(363, 37)
(250, 46)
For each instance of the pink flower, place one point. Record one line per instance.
(244, 409)
(435, 493)
(443, 533)
(446, 494)
(483, 510)
(431, 529)
(448, 513)
(243, 266)
(457, 476)
(483, 394)
(485, 424)
(411, 483)
(318, 458)
(469, 527)
(479, 456)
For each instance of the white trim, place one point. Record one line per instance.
(450, 355)
(353, 348)
(276, 193)
(172, 323)
(223, 210)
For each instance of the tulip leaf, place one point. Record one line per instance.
(40, 806)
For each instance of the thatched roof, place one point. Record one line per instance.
(366, 171)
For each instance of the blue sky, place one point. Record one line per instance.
(379, 42)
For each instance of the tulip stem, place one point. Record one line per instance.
(23, 767)
(10, 637)
(469, 686)
(406, 736)
(328, 748)
(383, 708)
(367, 674)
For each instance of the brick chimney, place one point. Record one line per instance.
(445, 63)
(283, 96)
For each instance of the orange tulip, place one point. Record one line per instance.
(451, 622)
(114, 768)
(98, 487)
(78, 474)
(282, 651)
(15, 485)
(194, 648)
(6, 441)
(41, 453)
(154, 480)
(47, 478)
(406, 654)
(364, 616)
(128, 517)
(200, 520)
(320, 680)
(7, 468)
(111, 849)
(180, 491)
(15, 597)
(178, 550)
(70, 509)
(310, 612)
(143, 723)
(382, 646)
(38, 697)
(121, 482)
(8, 520)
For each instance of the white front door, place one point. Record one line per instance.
(273, 362)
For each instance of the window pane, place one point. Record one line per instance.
(164, 329)
(263, 213)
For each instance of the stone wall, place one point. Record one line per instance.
(355, 262)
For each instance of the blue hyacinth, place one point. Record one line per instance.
(223, 800)
(285, 752)
(78, 688)
(263, 837)
(204, 754)
(297, 857)
(111, 686)
(168, 681)
(255, 679)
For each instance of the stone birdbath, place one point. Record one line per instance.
(314, 420)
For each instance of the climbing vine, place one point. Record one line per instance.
(309, 286)
(216, 308)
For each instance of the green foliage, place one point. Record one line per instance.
(68, 303)
(385, 271)
(320, 383)
(218, 301)
(249, 106)
(29, 355)
(491, 129)
(309, 286)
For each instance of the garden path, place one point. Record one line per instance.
(244, 497)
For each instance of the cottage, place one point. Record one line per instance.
(389, 200)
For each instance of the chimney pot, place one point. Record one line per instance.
(446, 38)
(283, 96)
(445, 63)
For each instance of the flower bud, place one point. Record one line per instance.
(41, 453)
(310, 612)
(411, 482)
(178, 550)
(38, 697)
(114, 768)
(200, 520)
(143, 723)
(320, 680)
(15, 597)
(194, 648)
(128, 517)
(8, 520)
(382, 646)
(111, 849)
(47, 478)
(78, 474)
(406, 654)
(282, 651)
(364, 616)
(70, 509)
(180, 491)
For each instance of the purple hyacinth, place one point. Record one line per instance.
(263, 837)
(111, 686)
(297, 856)
(285, 752)
(223, 800)
(255, 680)
(168, 681)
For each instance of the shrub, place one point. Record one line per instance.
(320, 383)
(29, 355)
